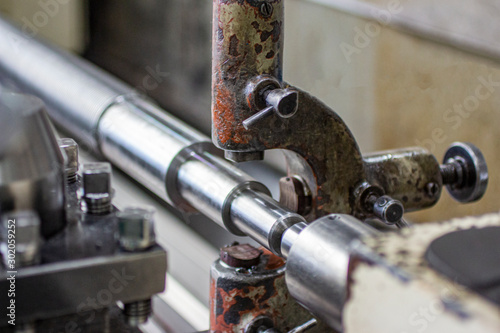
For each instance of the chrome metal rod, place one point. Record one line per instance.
(175, 162)
(165, 155)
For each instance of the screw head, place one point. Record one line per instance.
(431, 189)
(266, 9)
(70, 148)
(96, 178)
(136, 228)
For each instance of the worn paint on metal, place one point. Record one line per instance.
(246, 43)
(390, 272)
(319, 146)
(407, 175)
(238, 297)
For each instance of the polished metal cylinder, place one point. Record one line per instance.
(318, 263)
(267, 225)
(408, 176)
(148, 144)
(165, 155)
(231, 198)
(66, 84)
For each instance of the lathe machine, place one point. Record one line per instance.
(333, 253)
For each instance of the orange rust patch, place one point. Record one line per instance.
(223, 117)
(274, 261)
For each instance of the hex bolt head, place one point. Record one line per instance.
(97, 187)
(136, 228)
(26, 225)
(70, 148)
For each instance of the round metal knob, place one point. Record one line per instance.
(464, 172)
(388, 210)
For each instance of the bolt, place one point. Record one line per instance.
(452, 172)
(283, 102)
(26, 227)
(266, 9)
(136, 228)
(70, 148)
(137, 313)
(97, 188)
(464, 172)
(240, 256)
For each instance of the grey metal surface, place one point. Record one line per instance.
(68, 286)
(31, 163)
(290, 236)
(318, 263)
(189, 255)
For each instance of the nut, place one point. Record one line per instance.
(97, 188)
(136, 228)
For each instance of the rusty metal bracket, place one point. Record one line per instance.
(254, 110)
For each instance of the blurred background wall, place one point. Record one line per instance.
(400, 73)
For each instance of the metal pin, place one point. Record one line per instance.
(249, 122)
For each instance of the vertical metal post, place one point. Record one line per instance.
(247, 43)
